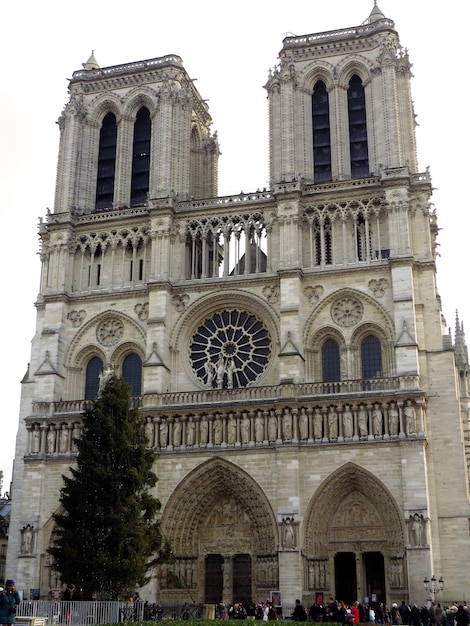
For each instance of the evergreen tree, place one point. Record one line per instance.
(108, 531)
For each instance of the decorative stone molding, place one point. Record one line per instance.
(271, 293)
(313, 293)
(76, 317)
(142, 311)
(378, 287)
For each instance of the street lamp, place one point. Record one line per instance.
(433, 586)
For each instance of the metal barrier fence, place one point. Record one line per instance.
(83, 613)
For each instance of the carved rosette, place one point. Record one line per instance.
(110, 331)
(347, 311)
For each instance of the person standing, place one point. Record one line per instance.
(9, 602)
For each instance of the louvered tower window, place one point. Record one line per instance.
(106, 163)
(357, 129)
(141, 158)
(321, 133)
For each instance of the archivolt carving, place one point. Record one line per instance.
(218, 505)
(352, 507)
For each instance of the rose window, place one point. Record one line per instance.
(230, 349)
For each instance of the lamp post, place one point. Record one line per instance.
(433, 586)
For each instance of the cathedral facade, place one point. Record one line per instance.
(285, 347)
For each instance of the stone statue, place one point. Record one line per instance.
(410, 418)
(287, 425)
(303, 425)
(272, 426)
(230, 372)
(191, 432)
(177, 433)
(362, 420)
(149, 432)
(163, 433)
(50, 440)
(393, 419)
(209, 369)
(217, 430)
(104, 378)
(63, 439)
(259, 427)
(377, 421)
(317, 423)
(27, 540)
(232, 429)
(76, 434)
(332, 423)
(220, 371)
(204, 431)
(35, 439)
(245, 429)
(288, 534)
(348, 425)
(417, 524)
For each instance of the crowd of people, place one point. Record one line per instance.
(379, 613)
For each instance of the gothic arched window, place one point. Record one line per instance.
(141, 157)
(371, 356)
(331, 370)
(106, 163)
(93, 371)
(132, 373)
(321, 133)
(358, 146)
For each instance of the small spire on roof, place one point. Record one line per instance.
(92, 63)
(375, 14)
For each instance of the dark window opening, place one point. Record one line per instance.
(141, 158)
(331, 370)
(321, 133)
(92, 383)
(132, 373)
(358, 147)
(371, 356)
(106, 163)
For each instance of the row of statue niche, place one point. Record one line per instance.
(267, 572)
(54, 439)
(285, 425)
(219, 373)
(318, 574)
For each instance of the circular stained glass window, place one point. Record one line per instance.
(230, 349)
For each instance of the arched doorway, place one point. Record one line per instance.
(223, 536)
(354, 537)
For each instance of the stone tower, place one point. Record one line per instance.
(286, 345)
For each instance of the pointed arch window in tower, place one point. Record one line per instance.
(92, 383)
(323, 242)
(106, 163)
(371, 356)
(358, 147)
(321, 133)
(141, 157)
(331, 370)
(132, 373)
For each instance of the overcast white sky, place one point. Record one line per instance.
(228, 48)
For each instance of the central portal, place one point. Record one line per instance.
(228, 578)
